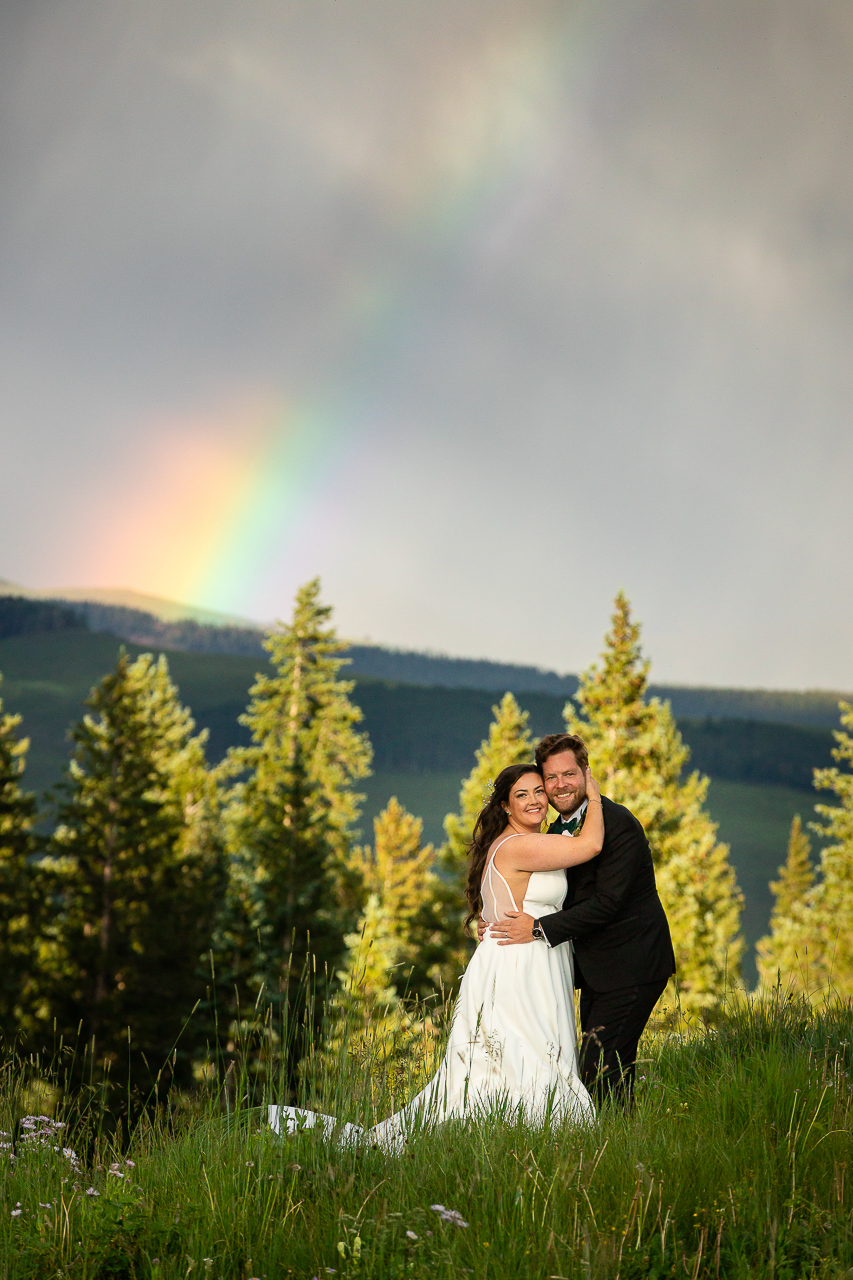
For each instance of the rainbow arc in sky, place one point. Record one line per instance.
(214, 498)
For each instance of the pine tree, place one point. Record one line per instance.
(446, 948)
(384, 952)
(398, 878)
(784, 954)
(294, 890)
(18, 897)
(831, 899)
(137, 868)
(638, 757)
(796, 877)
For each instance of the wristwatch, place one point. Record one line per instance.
(537, 931)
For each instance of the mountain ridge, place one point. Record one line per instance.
(184, 630)
(126, 598)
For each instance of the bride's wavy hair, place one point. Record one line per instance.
(491, 822)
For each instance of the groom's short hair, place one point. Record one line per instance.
(554, 743)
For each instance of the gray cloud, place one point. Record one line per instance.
(617, 242)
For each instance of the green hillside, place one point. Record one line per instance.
(167, 624)
(413, 728)
(755, 822)
(46, 677)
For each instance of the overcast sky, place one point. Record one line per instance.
(479, 309)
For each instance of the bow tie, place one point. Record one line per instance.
(570, 825)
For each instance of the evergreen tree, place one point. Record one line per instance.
(446, 948)
(384, 952)
(294, 889)
(398, 878)
(136, 871)
(18, 899)
(638, 757)
(784, 954)
(831, 899)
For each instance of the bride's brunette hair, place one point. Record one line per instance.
(490, 823)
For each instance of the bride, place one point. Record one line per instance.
(513, 1042)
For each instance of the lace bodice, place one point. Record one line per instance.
(546, 891)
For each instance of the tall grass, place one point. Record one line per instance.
(733, 1163)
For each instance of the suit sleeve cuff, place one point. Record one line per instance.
(546, 939)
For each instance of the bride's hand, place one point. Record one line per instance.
(593, 791)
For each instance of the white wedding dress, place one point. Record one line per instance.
(513, 1042)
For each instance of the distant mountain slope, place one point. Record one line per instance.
(425, 730)
(815, 707)
(195, 635)
(46, 678)
(179, 628)
(184, 634)
(125, 598)
(413, 728)
(19, 617)
(431, 669)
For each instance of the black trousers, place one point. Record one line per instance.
(611, 1025)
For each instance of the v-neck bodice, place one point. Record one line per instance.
(545, 892)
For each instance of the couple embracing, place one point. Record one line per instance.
(589, 883)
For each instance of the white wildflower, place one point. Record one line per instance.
(449, 1215)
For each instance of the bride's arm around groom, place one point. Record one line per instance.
(612, 915)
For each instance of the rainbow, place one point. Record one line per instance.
(208, 500)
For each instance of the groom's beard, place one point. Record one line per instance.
(567, 804)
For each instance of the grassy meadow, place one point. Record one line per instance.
(735, 1162)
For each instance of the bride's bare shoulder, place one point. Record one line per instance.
(495, 850)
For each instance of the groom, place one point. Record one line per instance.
(614, 919)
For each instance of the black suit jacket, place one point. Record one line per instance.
(612, 913)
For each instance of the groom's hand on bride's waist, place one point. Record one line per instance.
(515, 927)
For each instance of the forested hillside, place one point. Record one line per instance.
(818, 708)
(424, 732)
(414, 728)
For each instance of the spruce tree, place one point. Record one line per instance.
(384, 954)
(136, 868)
(18, 897)
(638, 757)
(831, 899)
(398, 878)
(294, 890)
(446, 946)
(784, 954)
